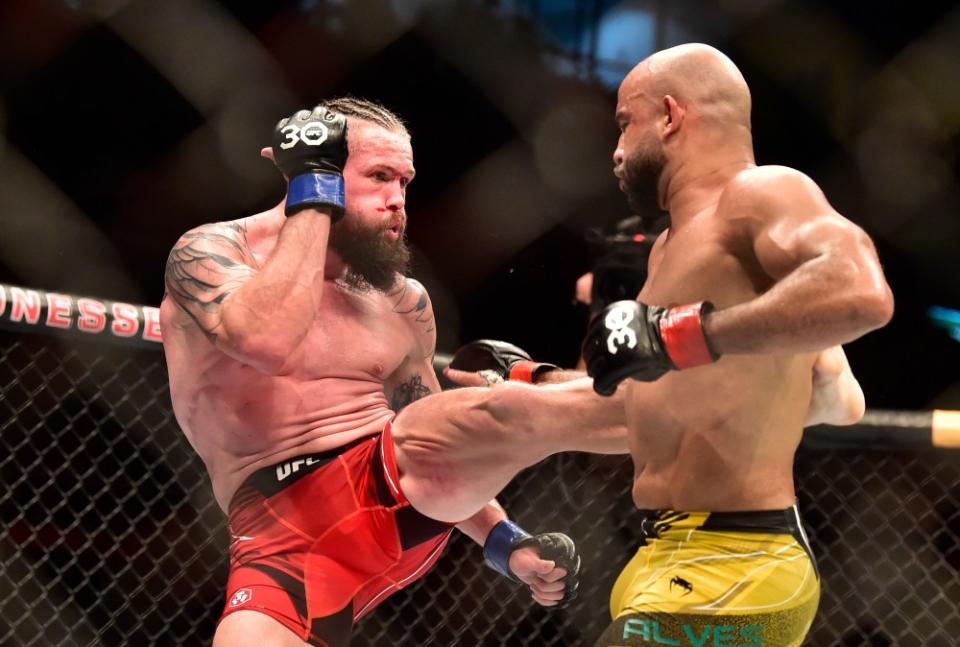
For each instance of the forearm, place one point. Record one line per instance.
(821, 304)
(479, 525)
(559, 376)
(271, 313)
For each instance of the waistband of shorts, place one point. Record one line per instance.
(275, 478)
(655, 523)
(784, 521)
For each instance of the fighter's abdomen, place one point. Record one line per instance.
(720, 437)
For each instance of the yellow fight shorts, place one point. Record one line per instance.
(717, 579)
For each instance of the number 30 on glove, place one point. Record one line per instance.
(631, 339)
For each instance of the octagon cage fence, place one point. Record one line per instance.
(112, 537)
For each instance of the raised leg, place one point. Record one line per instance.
(456, 450)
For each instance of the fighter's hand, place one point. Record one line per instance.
(472, 378)
(547, 581)
(836, 397)
(547, 563)
(631, 339)
(310, 148)
(487, 361)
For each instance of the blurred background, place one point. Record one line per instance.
(123, 123)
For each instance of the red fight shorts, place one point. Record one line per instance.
(318, 541)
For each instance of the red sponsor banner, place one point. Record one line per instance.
(31, 310)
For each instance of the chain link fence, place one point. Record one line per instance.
(111, 535)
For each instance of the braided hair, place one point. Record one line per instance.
(367, 111)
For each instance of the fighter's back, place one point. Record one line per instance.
(721, 436)
(328, 392)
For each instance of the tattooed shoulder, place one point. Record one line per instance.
(205, 266)
(410, 300)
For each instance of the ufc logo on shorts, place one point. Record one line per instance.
(290, 467)
(313, 133)
(616, 322)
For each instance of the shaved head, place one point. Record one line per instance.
(698, 76)
(684, 105)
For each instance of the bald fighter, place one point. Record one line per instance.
(755, 274)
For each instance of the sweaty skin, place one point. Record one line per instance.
(363, 353)
(271, 354)
(788, 275)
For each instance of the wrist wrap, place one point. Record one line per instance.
(681, 330)
(316, 190)
(500, 543)
(526, 370)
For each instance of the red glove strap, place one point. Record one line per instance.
(682, 332)
(524, 370)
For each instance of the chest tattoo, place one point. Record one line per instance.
(407, 392)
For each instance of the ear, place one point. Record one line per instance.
(673, 114)
(267, 153)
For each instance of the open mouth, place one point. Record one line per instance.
(395, 230)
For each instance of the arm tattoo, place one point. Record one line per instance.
(407, 392)
(410, 299)
(205, 267)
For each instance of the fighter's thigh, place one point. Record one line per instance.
(441, 433)
(454, 453)
(254, 629)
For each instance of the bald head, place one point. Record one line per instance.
(701, 78)
(687, 107)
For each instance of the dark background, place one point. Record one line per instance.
(125, 123)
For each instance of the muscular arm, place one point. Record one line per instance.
(255, 314)
(829, 288)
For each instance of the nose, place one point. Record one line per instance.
(396, 198)
(618, 153)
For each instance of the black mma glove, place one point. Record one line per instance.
(630, 339)
(310, 148)
(506, 537)
(505, 359)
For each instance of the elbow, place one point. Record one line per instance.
(264, 354)
(266, 350)
(876, 306)
(867, 299)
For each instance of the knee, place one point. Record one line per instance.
(503, 411)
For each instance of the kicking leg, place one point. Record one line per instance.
(456, 450)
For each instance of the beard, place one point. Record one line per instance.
(641, 177)
(372, 259)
